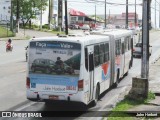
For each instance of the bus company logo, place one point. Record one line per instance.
(38, 44)
(105, 68)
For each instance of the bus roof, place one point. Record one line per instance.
(117, 33)
(86, 39)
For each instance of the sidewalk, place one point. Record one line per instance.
(27, 34)
(154, 86)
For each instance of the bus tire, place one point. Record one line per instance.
(130, 65)
(47, 103)
(96, 96)
(117, 79)
(126, 74)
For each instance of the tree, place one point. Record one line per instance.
(28, 9)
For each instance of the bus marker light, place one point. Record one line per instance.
(80, 85)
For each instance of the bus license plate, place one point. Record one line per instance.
(53, 97)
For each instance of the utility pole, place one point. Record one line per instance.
(49, 15)
(145, 44)
(140, 84)
(105, 14)
(17, 17)
(95, 14)
(159, 13)
(66, 18)
(126, 14)
(155, 15)
(135, 14)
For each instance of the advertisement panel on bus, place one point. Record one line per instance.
(54, 66)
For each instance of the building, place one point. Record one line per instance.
(5, 10)
(80, 18)
(120, 19)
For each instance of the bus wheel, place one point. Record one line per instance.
(126, 74)
(130, 65)
(47, 103)
(117, 79)
(96, 96)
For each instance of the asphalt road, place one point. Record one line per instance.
(13, 77)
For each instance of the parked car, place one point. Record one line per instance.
(74, 26)
(43, 65)
(137, 50)
(85, 27)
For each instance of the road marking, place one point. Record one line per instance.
(25, 106)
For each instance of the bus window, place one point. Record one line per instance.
(96, 55)
(118, 48)
(126, 44)
(101, 53)
(86, 58)
(106, 52)
(91, 65)
(123, 50)
(129, 43)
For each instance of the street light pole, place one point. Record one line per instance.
(105, 14)
(145, 40)
(155, 14)
(95, 13)
(126, 14)
(135, 14)
(159, 13)
(66, 18)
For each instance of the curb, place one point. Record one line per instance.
(5, 39)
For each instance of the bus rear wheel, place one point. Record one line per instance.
(117, 80)
(96, 96)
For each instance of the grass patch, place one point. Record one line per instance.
(4, 33)
(118, 114)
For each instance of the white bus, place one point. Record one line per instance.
(76, 68)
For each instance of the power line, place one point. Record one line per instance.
(110, 3)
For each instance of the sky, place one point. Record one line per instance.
(89, 8)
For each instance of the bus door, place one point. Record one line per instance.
(122, 57)
(91, 72)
